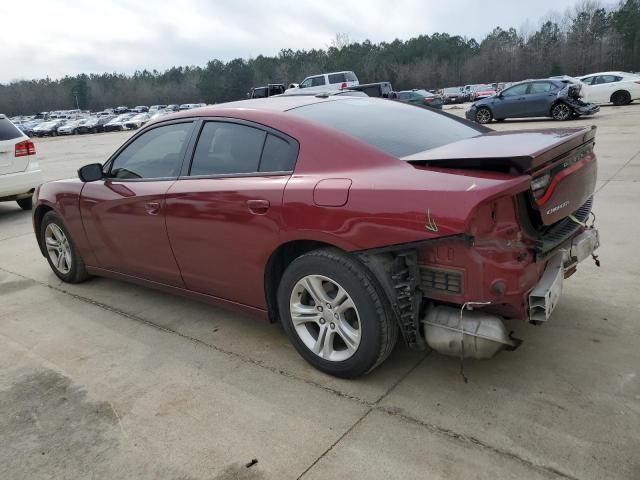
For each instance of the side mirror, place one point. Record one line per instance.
(91, 172)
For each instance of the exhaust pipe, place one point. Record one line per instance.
(466, 333)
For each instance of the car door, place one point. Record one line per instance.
(595, 91)
(606, 85)
(124, 214)
(540, 97)
(511, 102)
(224, 213)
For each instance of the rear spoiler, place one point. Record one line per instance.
(521, 150)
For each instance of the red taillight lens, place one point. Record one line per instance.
(428, 100)
(25, 148)
(344, 85)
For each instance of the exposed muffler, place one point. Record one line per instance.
(466, 333)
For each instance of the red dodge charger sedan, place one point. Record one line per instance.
(350, 220)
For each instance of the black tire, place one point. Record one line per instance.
(378, 331)
(621, 97)
(484, 115)
(561, 112)
(25, 203)
(78, 272)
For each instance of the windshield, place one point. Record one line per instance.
(395, 128)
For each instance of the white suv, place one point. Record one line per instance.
(327, 81)
(19, 170)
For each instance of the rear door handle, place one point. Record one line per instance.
(152, 208)
(258, 207)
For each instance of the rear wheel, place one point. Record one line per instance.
(334, 314)
(561, 112)
(621, 97)
(483, 115)
(25, 203)
(61, 253)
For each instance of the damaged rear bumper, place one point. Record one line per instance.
(582, 108)
(546, 294)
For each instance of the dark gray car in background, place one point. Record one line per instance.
(555, 98)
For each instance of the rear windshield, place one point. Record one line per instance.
(393, 127)
(8, 131)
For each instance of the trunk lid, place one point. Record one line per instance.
(560, 161)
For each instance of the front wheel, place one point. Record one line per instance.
(335, 314)
(561, 112)
(61, 253)
(483, 115)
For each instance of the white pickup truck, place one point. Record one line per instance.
(19, 169)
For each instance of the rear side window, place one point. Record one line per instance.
(608, 79)
(259, 92)
(278, 155)
(230, 148)
(227, 148)
(372, 91)
(350, 76)
(541, 87)
(8, 131)
(337, 78)
(393, 127)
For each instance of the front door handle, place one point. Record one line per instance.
(258, 207)
(152, 208)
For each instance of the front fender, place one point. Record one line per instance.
(63, 197)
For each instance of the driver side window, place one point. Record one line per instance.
(515, 90)
(156, 153)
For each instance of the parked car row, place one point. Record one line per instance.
(104, 121)
(616, 87)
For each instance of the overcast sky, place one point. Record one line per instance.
(53, 38)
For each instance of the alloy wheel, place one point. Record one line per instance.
(58, 248)
(561, 111)
(483, 115)
(325, 318)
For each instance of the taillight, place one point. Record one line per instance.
(428, 99)
(539, 185)
(25, 148)
(344, 85)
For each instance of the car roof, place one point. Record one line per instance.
(277, 103)
(617, 72)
